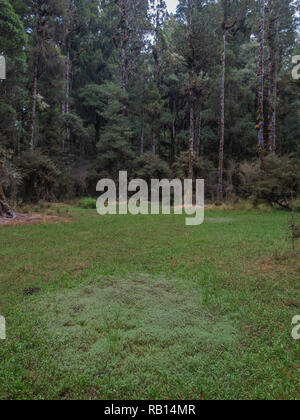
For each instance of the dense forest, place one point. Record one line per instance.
(98, 86)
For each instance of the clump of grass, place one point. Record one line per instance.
(280, 256)
(87, 203)
(25, 208)
(293, 230)
(241, 205)
(40, 207)
(136, 330)
(51, 213)
(295, 205)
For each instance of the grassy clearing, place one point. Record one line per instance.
(145, 307)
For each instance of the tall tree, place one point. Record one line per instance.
(68, 28)
(273, 58)
(40, 17)
(226, 25)
(196, 20)
(13, 41)
(158, 13)
(261, 72)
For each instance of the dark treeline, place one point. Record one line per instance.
(98, 86)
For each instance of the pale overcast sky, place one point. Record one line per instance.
(172, 4)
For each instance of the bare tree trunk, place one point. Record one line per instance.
(67, 91)
(153, 141)
(222, 126)
(191, 148)
(198, 131)
(261, 119)
(124, 70)
(192, 125)
(124, 42)
(225, 26)
(272, 75)
(33, 103)
(173, 134)
(143, 131)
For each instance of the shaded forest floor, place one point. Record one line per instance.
(145, 307)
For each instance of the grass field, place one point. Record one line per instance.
(146, 308)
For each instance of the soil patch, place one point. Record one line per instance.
(22, 219)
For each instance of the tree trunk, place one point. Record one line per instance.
(124, 69)
(222, 126)
(261, 119)
(153, 141)
(124, 42)
(198, 131)
(143, 131)
(272, 75)
(97, 132)
(67, 91)
(192, 126)
(5, 210)
(173, 135)
(33, 103)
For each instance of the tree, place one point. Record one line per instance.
(273, 57)
(225, 27)
(12, 90)
(40, 17)
(194, 43)
(157, 19)
(12, 41)
(282, 26)
(261, 118)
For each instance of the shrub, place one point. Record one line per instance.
(72, 182)
(10, 176)
(277, 185)
(295, 205)
(40, 177)
(88, 203)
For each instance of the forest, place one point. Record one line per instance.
(94, 87)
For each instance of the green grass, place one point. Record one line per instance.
(146, 308)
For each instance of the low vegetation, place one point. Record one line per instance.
(87, 203)
(144, 307)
